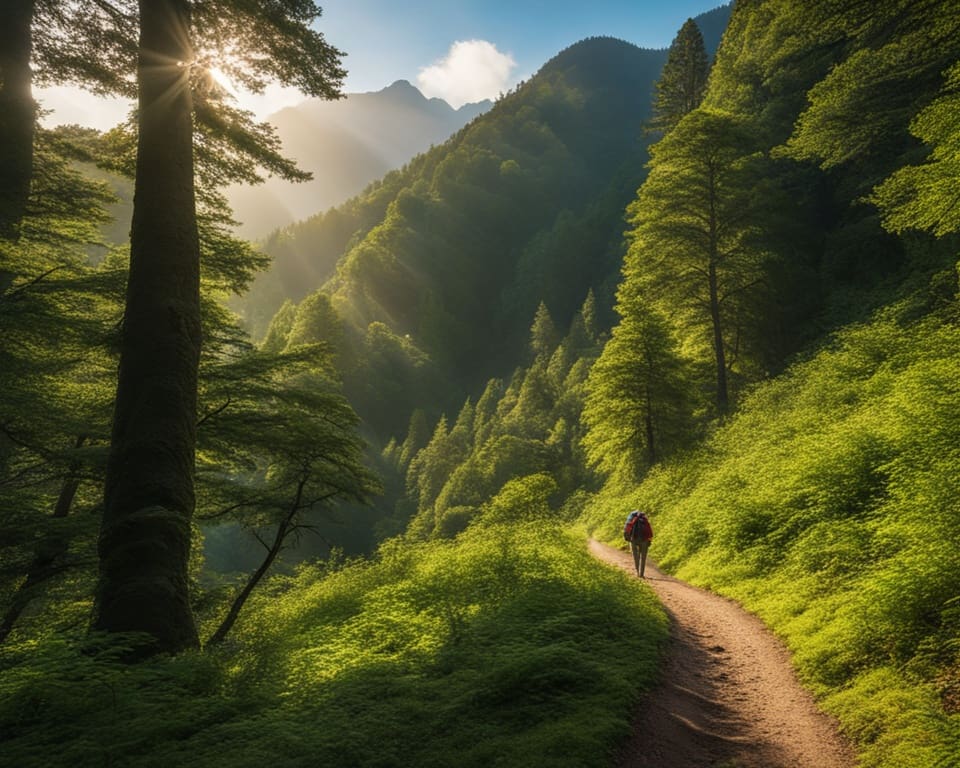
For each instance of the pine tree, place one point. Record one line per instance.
(149, 492)
(544, 336)
(683, 83)
(58, 314)
(695, 247)
(639, 401)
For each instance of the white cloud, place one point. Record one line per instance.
(473, 70)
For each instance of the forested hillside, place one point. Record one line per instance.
(723, 289)
(780, 387)
(345, 144)
(446, 261)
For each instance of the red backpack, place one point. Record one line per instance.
(637, 527)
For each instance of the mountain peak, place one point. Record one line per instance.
(403, 91)
(402, 86)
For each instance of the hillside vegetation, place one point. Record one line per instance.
(449, 257)
(828, 501)
(486, 649)
(767, 362)
(780, 389)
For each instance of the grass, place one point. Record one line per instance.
(498, 648)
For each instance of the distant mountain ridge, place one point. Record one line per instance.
(346, 144)
(524, 203)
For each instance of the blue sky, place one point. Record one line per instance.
(502, 42)
(385, 40)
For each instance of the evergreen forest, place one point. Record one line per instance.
(324, 499)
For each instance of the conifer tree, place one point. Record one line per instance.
(149, 492)
(638, 397)
(683, 83)
(696, 249)
(543, 333)
(58, 314)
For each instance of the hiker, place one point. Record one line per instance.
(639, 533)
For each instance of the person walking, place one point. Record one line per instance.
(638, 531)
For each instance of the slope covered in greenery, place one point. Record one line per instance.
(829, 505)
(823, 497)
(502, 648)
(440, 266)
(779, 389)
(826, 501)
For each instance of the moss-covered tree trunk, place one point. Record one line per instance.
(149, 495)
(17, 113)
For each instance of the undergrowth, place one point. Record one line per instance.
(500, 648)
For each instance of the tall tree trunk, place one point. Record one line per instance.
(17, 114)
(149, 494)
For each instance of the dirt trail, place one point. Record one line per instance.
(728, 697)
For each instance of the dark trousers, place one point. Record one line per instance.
(639, 549)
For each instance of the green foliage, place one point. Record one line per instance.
(526, 498)
(522, 206)
(696, 254)
(543, 333)
(515, 439)
(859, 112)
(921, 196)
(683, 83)
(639, 402)
(829, 506)
(501, 648)
(59, 314)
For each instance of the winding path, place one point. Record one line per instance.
(728, 697)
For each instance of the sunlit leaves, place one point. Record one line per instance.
(927, 196)
(860, 111)
(696, 255)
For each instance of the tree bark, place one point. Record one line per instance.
(145, 536)
(17, 114)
